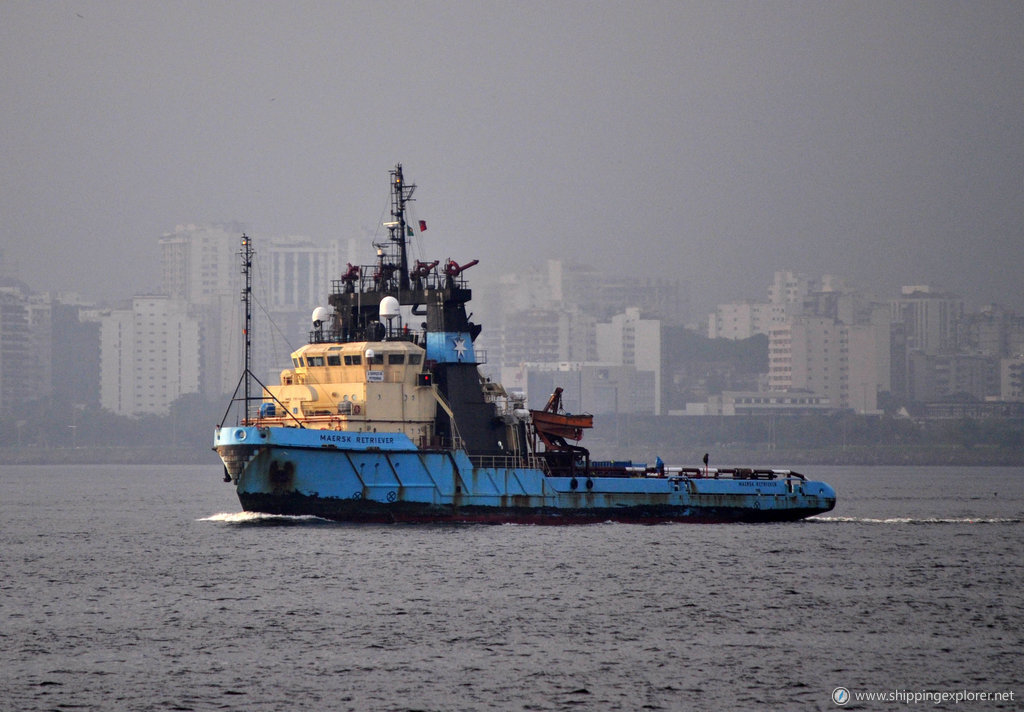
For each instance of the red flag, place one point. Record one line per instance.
(423, 225)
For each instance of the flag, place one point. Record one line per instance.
(423, 225)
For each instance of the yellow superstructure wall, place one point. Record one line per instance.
(363, 385)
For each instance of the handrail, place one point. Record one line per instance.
(509, 462)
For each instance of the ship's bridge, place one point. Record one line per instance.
(356, 362)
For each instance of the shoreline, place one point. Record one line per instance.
(108, 456)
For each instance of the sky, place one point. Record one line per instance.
(715, 142)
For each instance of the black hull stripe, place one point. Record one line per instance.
(368, 511)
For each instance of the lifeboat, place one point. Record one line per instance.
(555, 423)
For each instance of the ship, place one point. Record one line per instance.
(385, 415)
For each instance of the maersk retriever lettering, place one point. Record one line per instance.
(357, 439)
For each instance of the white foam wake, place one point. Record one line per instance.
(920, 520)
(244, 517)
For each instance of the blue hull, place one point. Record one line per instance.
(383, 477)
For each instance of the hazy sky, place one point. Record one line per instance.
(715, 141)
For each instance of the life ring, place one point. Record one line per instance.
(356, 409)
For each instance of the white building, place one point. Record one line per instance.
(804, 355)
(149, 356)
(291, 276)
(741, 320)
(200, 262)
(847, 364)
(628, 340)
(298, 272)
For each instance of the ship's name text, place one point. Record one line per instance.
(357, 439)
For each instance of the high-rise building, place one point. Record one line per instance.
(930, 318)
(199, 262)
(629, 340)
(15, 350)
(992, 331)
(39, 309)
(548, 335)
(150, 356)
(298, 273)
(805, 355)
(846, 363)
(934, 377)
(291, 277)
(76, 364)
(605, 294)
(46, 351)
(741, 320)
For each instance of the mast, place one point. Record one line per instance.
(400, 195)
(246, 254)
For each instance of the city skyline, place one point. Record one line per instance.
(759, 293)
(608, 334)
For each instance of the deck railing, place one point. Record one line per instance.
(507, 462)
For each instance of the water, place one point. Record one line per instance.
(144, 588)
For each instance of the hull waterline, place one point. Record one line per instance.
(387, 479)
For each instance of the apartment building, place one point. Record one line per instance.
(930, 318)
(149, 356)
(629, 340)
(741, 320)
(847, 364)
(15, 350)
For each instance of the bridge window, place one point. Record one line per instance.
(334, 360)
(351, 360)
(396, 359)
(414, 359)
(315, 360)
